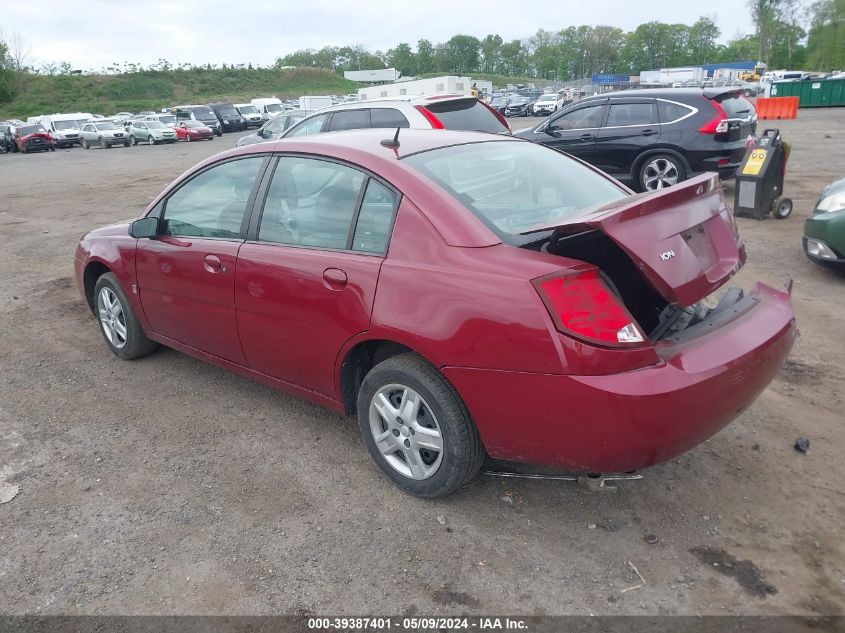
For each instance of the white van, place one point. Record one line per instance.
(268, 107)
(65, 127)
(250, 113)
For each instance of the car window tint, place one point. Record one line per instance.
(372, 232)
(387, 117)
(350, 120)
(310, 203)
(581, 118)
(629, 114)
(669, 112)
(213, 203)
(308, 126)
(466, 114)
(276, 125)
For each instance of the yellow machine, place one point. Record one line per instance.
(754, 75)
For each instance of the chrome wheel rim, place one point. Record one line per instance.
(112, 318)
(406, 431)
(660, 173)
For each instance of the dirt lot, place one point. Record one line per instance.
(169, 486)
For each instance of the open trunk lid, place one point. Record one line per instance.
(683, 239)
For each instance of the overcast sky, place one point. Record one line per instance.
(92, 34)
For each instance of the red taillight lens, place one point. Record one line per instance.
(719, 123)
(436, 123)
(498, 114)
(582, 305)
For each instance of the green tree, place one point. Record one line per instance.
(701, 40)
(402, 58)
(491, 53)
(825, 48)
(764, 15)
(425, 56)
(462, 53)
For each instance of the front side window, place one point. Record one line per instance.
(622, 114)
(213, 203)
(310, 202)
(308, 126)
(516, 187)
(582, 118)
(274, 126)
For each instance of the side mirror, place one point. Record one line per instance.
(144, 228)
(551, 129)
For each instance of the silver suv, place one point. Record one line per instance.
(103, 133)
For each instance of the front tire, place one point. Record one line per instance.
(660, 171)
(151, 140)
(118, 323)
(85, 144)
(133, 141)
(104, 143)
(417, 428)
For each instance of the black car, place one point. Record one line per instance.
(6, 133)
(229, 117)
(518, 106)
(500, 104)
(650, 139)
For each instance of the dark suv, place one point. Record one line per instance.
(228, 116)
(650, 139)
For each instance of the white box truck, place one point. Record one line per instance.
(450, 84)
(380, 75)
(309, 104)
(65, 127)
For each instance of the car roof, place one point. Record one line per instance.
(386, 102)
(665, 93)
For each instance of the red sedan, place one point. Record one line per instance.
(193, 131)
(464, 294)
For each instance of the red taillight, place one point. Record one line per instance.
(582, 305)
(719, 123)
(436, 123)
(498, 114)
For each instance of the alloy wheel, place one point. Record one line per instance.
(660, 173)
(112, 317)
(406, 431)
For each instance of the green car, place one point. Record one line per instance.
(152, 132)
(824, 231)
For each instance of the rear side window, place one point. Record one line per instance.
(387, 117)
(466, 114)
(670, 112)
(629, 114)
(374, 219)
(349, 120)
(737, 107)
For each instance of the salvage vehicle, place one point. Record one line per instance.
(103, 133)
(824, 230)
(250, 113)
(654, 138)
(274, 128)
(463, 294)
(6, 137)
(452, 112)
(229, 117)
(32, 138)
(193, 131)
(153, 132)
(517, 106)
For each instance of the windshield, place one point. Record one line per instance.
(548, 98)
(273, 107)
(203, 113)
(194, 124)
(500, 101)
(518, 101)
(167, 118)
(515, 187)
(30, 129)
(155, 125)
(247, 109)
(66, 125)
(226, 111)
(106, 126)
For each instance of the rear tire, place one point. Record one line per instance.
(118, 324)
(133, 141)
(409, 434)
(104, 143)
(151, 140)
(659, 171)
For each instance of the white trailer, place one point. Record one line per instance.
(682, 75)
(451, 84)
(309, 104)
(381, 75)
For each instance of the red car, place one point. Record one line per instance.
(33, 138)
(464, 294)
(193, 131)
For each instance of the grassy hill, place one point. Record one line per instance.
(155, 89)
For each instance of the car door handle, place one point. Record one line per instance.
(334, 278)
(212, 264)
(649, 132)
(587, 137)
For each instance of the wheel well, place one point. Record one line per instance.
(93, 271)
(359, 361)
(638, 163)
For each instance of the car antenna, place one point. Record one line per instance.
(394, 142)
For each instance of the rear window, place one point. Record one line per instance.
(516, 187)
(737, 107)
(349, 120)
(388, 117)
(466, 114)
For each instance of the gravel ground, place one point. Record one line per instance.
(168, 486)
